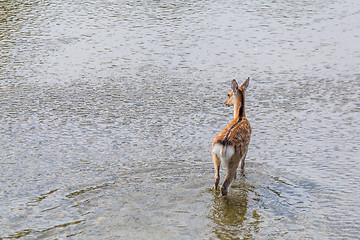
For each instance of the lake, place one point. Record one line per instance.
(108, 110)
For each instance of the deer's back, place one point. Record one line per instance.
(237, 133)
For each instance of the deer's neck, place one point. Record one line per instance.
(239, 108)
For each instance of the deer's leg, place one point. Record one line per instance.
(217, 171)
(231, 172)
(242, 165)
(242, 161)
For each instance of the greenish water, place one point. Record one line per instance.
(108, 110)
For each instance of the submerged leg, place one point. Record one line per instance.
(231, 172)
(217, 171)
(242, 164)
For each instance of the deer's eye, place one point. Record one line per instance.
(228, 95)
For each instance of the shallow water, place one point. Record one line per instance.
(108, 110)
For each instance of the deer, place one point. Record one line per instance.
(230, 146)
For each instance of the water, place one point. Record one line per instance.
(108, 110)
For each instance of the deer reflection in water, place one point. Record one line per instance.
(230, 216)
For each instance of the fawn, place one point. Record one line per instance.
(230, 146)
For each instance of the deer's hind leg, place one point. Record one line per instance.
(217, 164)
(230, 176)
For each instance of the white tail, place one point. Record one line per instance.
(223, 152)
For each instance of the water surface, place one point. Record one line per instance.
(108, 110)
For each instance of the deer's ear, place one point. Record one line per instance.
(245, 84)
(234, 86)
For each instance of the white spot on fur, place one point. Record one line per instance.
(224, 153)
